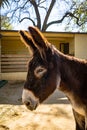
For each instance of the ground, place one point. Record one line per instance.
(54, 114)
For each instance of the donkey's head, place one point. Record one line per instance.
(42, 75)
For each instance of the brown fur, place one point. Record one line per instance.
(69, 73)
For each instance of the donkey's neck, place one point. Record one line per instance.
(70, 70)
(73, 76)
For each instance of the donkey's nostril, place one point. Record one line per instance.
(31, 105)
(27, 103)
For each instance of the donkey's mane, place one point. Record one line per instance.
(69, 57)
(72, 66)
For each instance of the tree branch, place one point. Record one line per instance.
(28, 19)
(48, 14)
(41, 2)
(59, 21)
(33, 2)
(2, 2)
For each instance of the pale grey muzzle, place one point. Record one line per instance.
(29, 100)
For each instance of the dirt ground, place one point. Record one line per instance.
(54, 114)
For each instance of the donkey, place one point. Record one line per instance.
(49, 69)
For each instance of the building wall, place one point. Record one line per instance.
(13, 46)
(81, 46)
(0, 59)
(14, 76)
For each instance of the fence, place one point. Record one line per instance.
(14, 63)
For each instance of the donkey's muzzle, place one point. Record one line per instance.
(31, 105)
(29, 100)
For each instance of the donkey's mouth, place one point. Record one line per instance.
(30, 107)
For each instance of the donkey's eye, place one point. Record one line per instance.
(40, 71)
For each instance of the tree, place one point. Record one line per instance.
(4, 2)
(78, 15)
(44, 13)
(5, 23)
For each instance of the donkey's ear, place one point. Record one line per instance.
(39, 39)
(26, 38)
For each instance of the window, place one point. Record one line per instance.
(64, 48)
